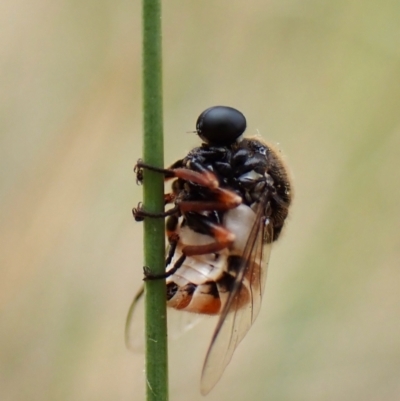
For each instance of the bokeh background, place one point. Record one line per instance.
(319, 78)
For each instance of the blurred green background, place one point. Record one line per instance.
(320, 78)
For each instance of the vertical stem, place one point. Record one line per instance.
(153, 199)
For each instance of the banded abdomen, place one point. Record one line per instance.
(203, 282)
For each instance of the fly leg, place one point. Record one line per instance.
(139, 213)
(221, 201)
(224, 199)
(204, 178)
(173, 239)
(223, 238)
(150, 276)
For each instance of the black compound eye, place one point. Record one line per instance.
(220, 125)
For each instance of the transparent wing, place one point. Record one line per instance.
(243, 303)
(179, 322)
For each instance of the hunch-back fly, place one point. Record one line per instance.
(231, 197)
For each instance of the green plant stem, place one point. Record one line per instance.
(153, 199)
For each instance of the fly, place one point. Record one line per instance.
(230, 199)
